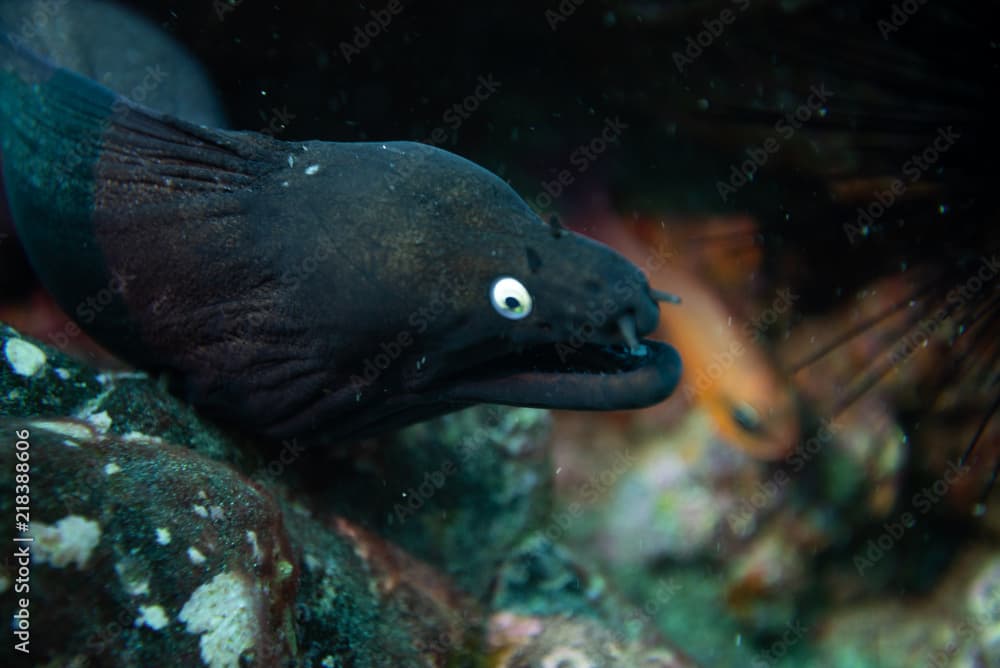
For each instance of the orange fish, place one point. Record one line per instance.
(727, 371)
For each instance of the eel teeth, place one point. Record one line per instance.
(626, 324)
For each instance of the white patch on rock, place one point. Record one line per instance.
(139, 588)
(109, 377)
(26, 359)
(101, 421)
(70, 429)
(71, 539)
(163, 536)
(222, 611)
(566, 656)
(200, 510)
(62, 373)
(88, 411)
(312, 169)
(254, 545)
(153, 616)
(195, 556)
(136, 587)
(299, 509)
(111, 468)
(138, 436)
(132, 577)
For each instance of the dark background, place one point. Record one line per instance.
(558, 85)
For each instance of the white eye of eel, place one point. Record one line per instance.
(510, 298)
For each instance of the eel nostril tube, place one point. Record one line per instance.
(660, 296)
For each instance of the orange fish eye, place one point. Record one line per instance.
(746, 417)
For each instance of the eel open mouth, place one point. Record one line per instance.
(584, 377)
(633, 373)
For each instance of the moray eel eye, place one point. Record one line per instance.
(510, 298)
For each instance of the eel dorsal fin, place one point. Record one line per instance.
(94, 181)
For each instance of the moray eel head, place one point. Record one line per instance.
(492, 304)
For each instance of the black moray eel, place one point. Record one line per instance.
(313, 289)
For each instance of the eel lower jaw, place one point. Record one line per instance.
(586, 377)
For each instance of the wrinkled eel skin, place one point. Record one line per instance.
(316, 289)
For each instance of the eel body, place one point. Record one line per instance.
(316, 289)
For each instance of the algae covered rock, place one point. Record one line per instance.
(458, 491)
(957, 624)
(139, 550)
(37, 380)
(124, 403)
(145, 553)
(548, 607)
(365, 602)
